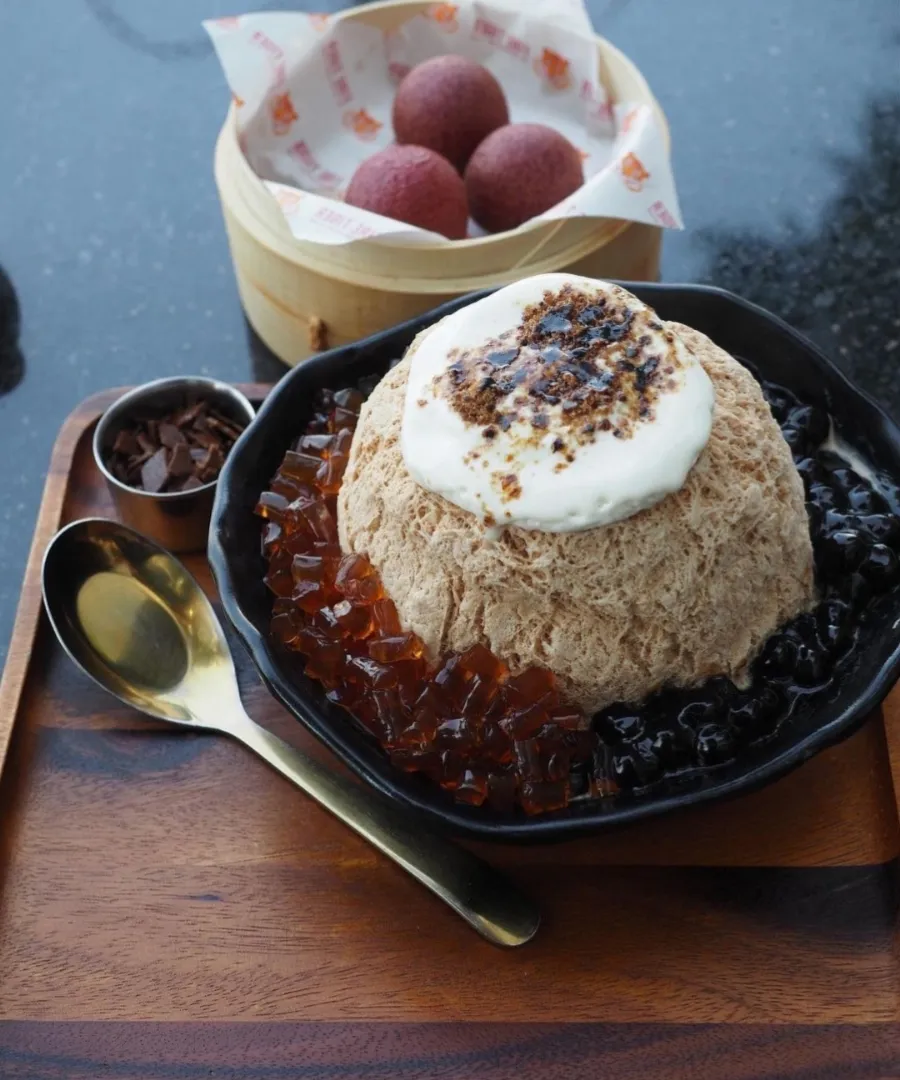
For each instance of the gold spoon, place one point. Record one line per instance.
(131, 617)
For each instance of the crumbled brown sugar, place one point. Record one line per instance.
(582, 362)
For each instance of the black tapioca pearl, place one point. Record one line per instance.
(880, 528)
(813, 422)
(833, 618)
(880, 565)
(822, 495)
(780, 401)
(840, 550)
(714, 744)
(796, 439)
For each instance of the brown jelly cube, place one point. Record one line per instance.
(309, 595)
(525, 723)
(356, 579)
(300, 466)
(310, 639)
(349, 399)
(479, 660)
(319, 422)
(450, 681)
(453, 765)
(432, 697)
(409, 689)
(282, 485)
(501, 793)
(279, 581)
(354, 619)
(316, 445)
(538, 797)
(346, 695)
(457, 734)
(533, 684)
(311, 567)
(284, 629)
(342, 418)
(295, 491)
(341, 442)
(399, 647)
(557, 765)
(370, 674)
(272, 506)
(319, 521)
(527, 757)
(297, 541)
(472, 787)
(412, 670)
(495, 744)
(271, 537)
(330, 473)
(481, 692)
(385, 618)
(329, 625)
(419, 732)
(389, 715)
(327, 665)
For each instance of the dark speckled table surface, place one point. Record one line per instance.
(785, 120)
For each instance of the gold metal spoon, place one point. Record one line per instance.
(132, 617)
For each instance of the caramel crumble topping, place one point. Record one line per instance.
(588, 365)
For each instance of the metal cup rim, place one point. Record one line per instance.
(133, 397)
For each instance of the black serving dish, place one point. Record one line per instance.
(776, 353)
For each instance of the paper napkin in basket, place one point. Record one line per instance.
(313, 95)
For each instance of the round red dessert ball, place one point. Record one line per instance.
(415, 185)
(518, 172)
(449, 104)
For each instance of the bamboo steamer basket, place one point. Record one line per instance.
(302, 297)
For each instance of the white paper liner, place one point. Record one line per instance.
(314, 98)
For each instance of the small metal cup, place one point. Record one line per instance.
(179, 520)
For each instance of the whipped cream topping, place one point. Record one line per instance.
(558, 403)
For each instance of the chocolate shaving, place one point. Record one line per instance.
(179, 450)
(155, 472)
(145, 443)
(170, 436)
(181, 463)
(126, 444)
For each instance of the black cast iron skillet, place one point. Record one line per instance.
(775, 351)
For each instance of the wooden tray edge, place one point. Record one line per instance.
(30, 606)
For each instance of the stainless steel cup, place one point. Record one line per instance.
(179, 520)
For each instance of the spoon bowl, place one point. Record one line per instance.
(132, 618)
(129, 614)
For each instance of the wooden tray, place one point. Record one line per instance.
(172, 908)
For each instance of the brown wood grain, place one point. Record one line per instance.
(303, 1051)
(152, 877)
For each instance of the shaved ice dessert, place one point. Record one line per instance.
(565, 548)
(666, 550)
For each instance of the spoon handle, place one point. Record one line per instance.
(487, 900)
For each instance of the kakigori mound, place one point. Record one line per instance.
(554, 502)
(557, 474)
